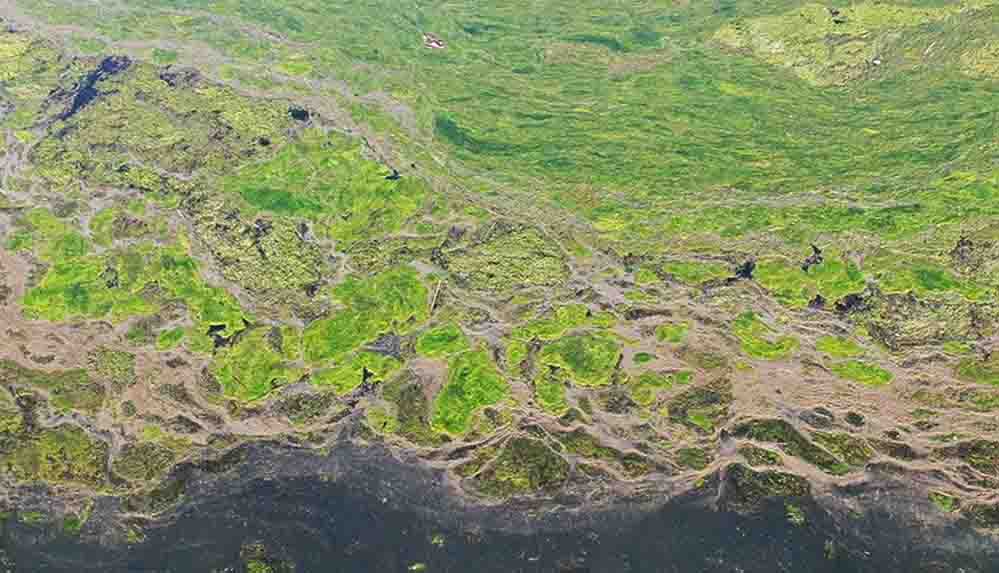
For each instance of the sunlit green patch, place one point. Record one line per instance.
(354, 370)
(696, 273)
(442, 341)
(473, 383)
(549, 391)
(65, 454)
(327, 178)
(957, 347)
(115, 367)
(396, 299)
(591, 359)
(982, 61)
(67, 389)
(759, 340)
(945, 502)
(252, 368)
(645, 275)
(838, 346)
(862, 372)
(898, 274)
(674, 333)
(832, 279)
(562, 320)
(645, 388)
(643, 357)
(114, 224)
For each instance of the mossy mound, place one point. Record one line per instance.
(590, 359)
(507, 259)
(759, 340)
(748, 489)
(523, 466)
(67, 389)
(473, 383)
(66, 454)
(792, 442)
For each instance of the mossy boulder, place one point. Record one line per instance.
(523, 466)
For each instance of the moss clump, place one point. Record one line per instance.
(473, 383)
(509, 259)
(146, 461)
(693, 458)
(645, 388)
(252, 368)
(974, 369)
(306, 407)
(838, 347)
(792, 442)
(695, 273)
(442, 341)
(703, 407)
(549, 391)
(757, 456)
(945, 502)
(326, 178)
(354, 370)
(983, 455)
(851, 449)
(169, 339)
(523, 466)
(116, 367)
(395, 299)
(862, 372)
(560, 321)
(66, 454)
(794, 286)
(590, 359)
(982, 61)
(67, 389)
(582, 443)
(675, 333)
(749, 489)
(411, 410)
(758, 340)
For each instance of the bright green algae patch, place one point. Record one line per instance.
(443, 340)
(473, 383)
(862, 372)
(838, 347)
(645, 388)
(549, 391)
(675, 333)
(254, 366)
(759, 340)
(796, 287)
(326, 178)
(516, 258)
(356, 369)
(590, 359)
(395, 299)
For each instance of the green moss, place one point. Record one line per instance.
(326, 178)
(693, 458)
(392, 300)
(703, 407)
(862, 372)
(582, 443)
(513, 259)
(563, 319)
(116, 367)
(643, 357)
(749, 488)
(832, 279)
(945, 502)
(355, 369)
(473, 383)
(838, 347)
(442, 341)
(673, 333)
(169, 339)
(792, 442)
(252, 368)
(523, 466)
(147, 461)
(65, 454)
(549, 391)
(696, 273)
(758, 339)
(68, 389)
(757, 456)
(973, 369)
(851, 449)
(411, 409)
(645, 388)
(591, 359)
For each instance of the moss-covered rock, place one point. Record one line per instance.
(523, 466)
(747, 489)
(507, 258)
(792, 442)
(66, 454)
(67, 389)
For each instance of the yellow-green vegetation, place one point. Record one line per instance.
(144, 461)
(440, 341)
(645, 388)
(509, 259)
(863, 372)
(975, 369)
(825, 45)
(523, 466)
(326, 178)
(591, 359)
(254, 366)
(66, 454)
(794, 444)
(115, 367)
(549, 391)
(695, 273)
(838, 346)
(673, 333)
(851, 449)
(473, 383)
(393, 300)
(759, 340)
(945, 502)
(901, 274)
(552, 326)
(794, 286)
(355, 369)
(584, 444)
(67, 389)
